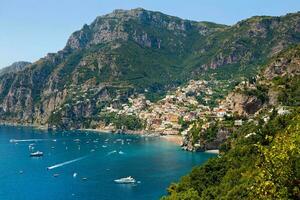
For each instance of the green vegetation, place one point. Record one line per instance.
(261, 159)
(261, 92)
(129, 122)
(264, 165)
(152, 55)
(290, 92)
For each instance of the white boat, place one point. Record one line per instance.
(37, 154)
(126, 180)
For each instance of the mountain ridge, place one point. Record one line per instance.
(153, 52)
(14, 67)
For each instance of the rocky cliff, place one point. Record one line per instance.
(135, 51)
(275, 88)
(15, 67)
(265, 89)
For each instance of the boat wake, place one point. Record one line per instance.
(66, 163)
(29, 140)
(112, 152)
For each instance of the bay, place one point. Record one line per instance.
(84, 165)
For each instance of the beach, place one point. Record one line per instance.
(176, 139)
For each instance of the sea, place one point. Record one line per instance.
(84, 165)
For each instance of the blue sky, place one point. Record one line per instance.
(32, 28)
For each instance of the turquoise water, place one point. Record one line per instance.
(100, 158)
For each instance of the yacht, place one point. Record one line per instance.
(36, 154)
(126, 180)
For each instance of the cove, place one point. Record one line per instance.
(84, 165)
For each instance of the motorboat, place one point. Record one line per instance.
(36, 154)
(125, 180)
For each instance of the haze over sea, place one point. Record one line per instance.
(100, 158)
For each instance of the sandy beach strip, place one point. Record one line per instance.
(176, 139)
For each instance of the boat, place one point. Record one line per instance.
(126, 180)
(55, 175)
(36, 154)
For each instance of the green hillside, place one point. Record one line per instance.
(261, 159)
(138, 51)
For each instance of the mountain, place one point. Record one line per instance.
(15, 67)
(137, 51)
(260, 160)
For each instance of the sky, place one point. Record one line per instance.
(29, 29)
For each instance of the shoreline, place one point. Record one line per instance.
(175, 139)
(14, 124)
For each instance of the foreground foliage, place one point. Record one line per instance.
(261, 159)
(265, 165)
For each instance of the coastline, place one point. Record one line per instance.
(15, 124)
(175, 139)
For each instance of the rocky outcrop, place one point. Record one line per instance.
(15, 67)
(221, 137)
(133, 52)
(285, 64)
(242, 104)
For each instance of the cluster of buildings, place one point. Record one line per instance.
(167, 115)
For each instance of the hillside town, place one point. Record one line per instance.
(176, 113)
(195, 106)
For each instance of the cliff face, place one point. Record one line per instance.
(15, 67)
(276, 76)
(134, 51)
(275, 90)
